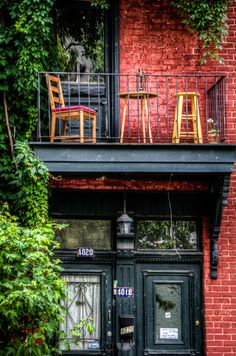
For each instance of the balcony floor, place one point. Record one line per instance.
(78, 159)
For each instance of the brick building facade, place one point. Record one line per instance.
(160, 180)
(153, 37)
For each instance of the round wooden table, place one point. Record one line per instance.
(143, 96)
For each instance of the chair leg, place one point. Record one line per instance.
(53, 128)
(81, 119)
(94, 129)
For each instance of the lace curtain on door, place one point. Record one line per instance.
(84, 302)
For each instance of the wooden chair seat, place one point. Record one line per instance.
(67, 114)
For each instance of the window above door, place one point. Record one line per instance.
(167, 235)
(84, 233)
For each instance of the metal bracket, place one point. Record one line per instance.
(219, 195)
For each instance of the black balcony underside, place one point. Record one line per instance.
(179, 159)
(213, 163)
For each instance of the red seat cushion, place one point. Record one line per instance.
(74, 108)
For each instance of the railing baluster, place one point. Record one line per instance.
(157, 108)
(157, 91)
(186, 104)
(206, 110)
(197, 110)
(128, 89)
(108, 121)
(167, 102)
(39, 111)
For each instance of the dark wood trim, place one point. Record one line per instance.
(76, 159)
(219, 195)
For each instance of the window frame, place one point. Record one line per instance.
(197, 220)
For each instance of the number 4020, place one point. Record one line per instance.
(85, 252)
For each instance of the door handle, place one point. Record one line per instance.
(197, 322)
(109, 315)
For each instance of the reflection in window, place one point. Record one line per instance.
(84, 233)
(83, 303)
(166, 235)
(80, 31)
(168, 326)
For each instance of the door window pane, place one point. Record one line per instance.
(168, 325)
(84, 233)
(163, 234)
(83, 304)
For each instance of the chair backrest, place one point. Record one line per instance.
(55, 91)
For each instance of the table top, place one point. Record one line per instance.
(138, 95)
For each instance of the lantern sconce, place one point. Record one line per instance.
(125, 231)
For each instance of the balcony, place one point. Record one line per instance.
(136, 109)
(131, 125)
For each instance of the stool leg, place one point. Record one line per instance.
(196, 120)
(177, 121)
(123, 121)
(199, 128)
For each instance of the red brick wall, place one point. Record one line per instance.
(153, 38)
(126, 184)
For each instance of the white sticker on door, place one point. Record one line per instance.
(168, 333)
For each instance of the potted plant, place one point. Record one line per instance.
(213, 131)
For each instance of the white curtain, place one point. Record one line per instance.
(84, 302)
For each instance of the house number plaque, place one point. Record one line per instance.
(85, 252)
(124, 291)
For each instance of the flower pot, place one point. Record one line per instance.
(213, 137)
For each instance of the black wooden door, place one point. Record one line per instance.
(161, 316)
(89, 288)
(169, 317)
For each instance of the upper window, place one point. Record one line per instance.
(84, 233)
(80, 31)
(164, 234)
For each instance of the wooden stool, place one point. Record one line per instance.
(193, 117)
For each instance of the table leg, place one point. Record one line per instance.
(123, 121)
(148, 119)
(143, 120)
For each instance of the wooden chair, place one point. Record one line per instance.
(60, 111)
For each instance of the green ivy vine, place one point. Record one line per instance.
(30, 290)
(27, 42)
(208, 19)
(31, 287)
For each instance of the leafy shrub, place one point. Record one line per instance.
(30, 289)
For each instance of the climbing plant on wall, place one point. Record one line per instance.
(28, 45)
(30, 287)
(208, 19)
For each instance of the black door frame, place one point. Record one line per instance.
(95, 205)
(105, 272)
(170, 271)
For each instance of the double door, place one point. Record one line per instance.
(137, 308)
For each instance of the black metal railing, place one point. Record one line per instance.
(135, 108)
